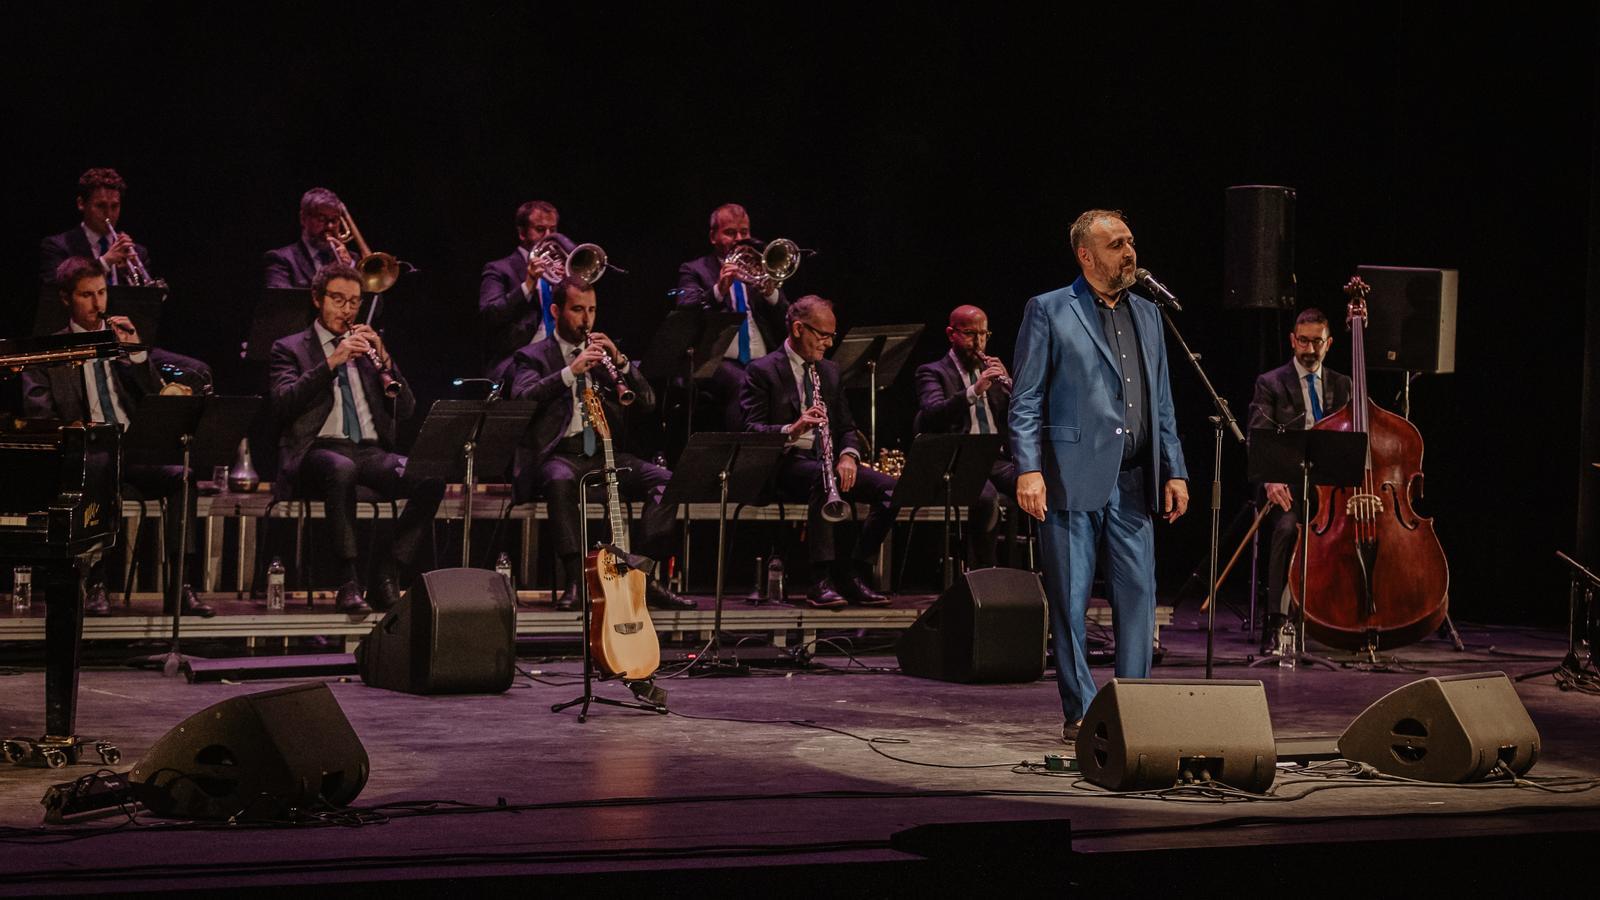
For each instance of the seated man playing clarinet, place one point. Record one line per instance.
(795, 392)
(332, 386)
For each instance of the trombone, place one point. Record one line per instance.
(765, 267)
(561, 258)
(379, 271)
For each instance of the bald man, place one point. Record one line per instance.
(967, 391)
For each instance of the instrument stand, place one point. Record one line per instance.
(653, 698)
(1223, 420)
(870, 354)
(460, 436)
(1571, 672)
(721, 466)
(947, 470)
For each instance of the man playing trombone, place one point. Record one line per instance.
(514, 296)
(795, 392)
(293, 266)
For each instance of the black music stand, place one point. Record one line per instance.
(279, 313)
(1313, 457)
(719, 467)
(458, 437)
(142, 305)
(947, 470)
(871, 357)
(652, 698)
(691, 341)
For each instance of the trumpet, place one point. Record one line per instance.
(561, 258)
(379, 271)
(625, 394)
(834, 509)
(138, 275)
(1002, 380)
(765, 268)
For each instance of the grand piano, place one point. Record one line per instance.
(60, 508)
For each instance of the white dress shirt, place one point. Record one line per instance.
(333, 426)
(805, 440)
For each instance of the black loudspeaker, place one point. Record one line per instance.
(454, 632)
(988, 628)
(1451, 730)
(255, 757)
(1258, 248)
(1411, 318)
(1144, 734)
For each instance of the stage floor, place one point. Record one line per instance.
(793, 782)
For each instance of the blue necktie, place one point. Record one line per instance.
(1316, 402)
(543, 287)
(102, 247)
(108, 409)
(742, 306)
(983, 414)
(589, 444)
(352, 418)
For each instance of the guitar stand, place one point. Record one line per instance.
(653, 699)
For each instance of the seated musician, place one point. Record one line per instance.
(779, 396)
(338, 432)
(561, 447)
(513, 295)
(99, 203)
(294, 266)
(108, 390)
(711, 283)
(967, 391)
(1292, 397)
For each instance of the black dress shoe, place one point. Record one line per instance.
(857, 591)
(96, 602)
(349, 599)
(383, 595)
(822, 596)
(569, 600)
(191, 604)
(658, 597)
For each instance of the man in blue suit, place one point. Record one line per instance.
(1097, 452)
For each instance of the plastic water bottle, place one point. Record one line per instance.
(775, 592)
(21, 590)
(502, 565)
(275, 585)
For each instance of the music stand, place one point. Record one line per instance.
(223, 425)
(693, 341)
(723, 466)
(460, 435)
(1314, 457)
(279, 313)
(142, 306)
(949, 470)
(868, 354)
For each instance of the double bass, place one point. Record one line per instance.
(1378, 577)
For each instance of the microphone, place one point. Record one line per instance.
(1159, 290)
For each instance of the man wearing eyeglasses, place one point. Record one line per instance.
(1292, 397)
(779, 396)
(967, 391)
(293, 266)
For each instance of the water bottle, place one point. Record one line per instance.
(21, 590)
(775, 592)
(275, 585)
(502, 565)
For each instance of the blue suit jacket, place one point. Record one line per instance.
(1066, 403)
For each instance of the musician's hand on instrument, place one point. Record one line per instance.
(598, 339)
(535, 272)
(1030, 494)
(118, 253)
(122, 327)
(809, 419)
(373, 339)
(991, 373)
(1279, 494)
(1175, 499)
(845, 468)
(726, 278)
(587, 358)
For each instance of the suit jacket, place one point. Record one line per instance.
(1280, 402)
(942, 404)
(770, 399)
(1067, 410)
(535, 374)
(59, 392)
(289, 267)
(509, 320)
(57, 248)
(697, 282)
(302, 397)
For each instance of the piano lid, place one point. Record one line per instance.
(60, 349)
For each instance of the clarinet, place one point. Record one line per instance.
(834, 509)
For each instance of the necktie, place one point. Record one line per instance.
(101, 248)
(543, 287)
(589, 445)
(1316, 402)
(741, 305)
(352, 418)
(978, 407)
(102, 381)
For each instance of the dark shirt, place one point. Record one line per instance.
(1123, 339)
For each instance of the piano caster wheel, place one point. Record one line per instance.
(109, 754)
(13, 751)
(54, 759)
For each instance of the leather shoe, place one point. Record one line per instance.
(569, 600)
(822, 596)
(658, 597)
(384, 595)
(1069, 731)
(857, 591)
(349, 599)
(96, 602)
(191, 604)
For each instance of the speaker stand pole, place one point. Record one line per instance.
(949, 565)
(469, 483)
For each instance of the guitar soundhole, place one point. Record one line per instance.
(628, 627)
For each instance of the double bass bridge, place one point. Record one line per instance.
(1364, 507)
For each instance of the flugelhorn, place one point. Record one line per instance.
(625, 394)
(765, 267)
(138, 275)
(834, 509)
(379, 271)
(562, 258)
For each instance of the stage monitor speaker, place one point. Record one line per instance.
(988, 628)
(1450, 730)
(454, 632)
(258, 756)
(1258, 247)
(1411, 318)
(1142, 734)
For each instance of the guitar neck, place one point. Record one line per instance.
(619, 524)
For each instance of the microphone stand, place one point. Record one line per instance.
(1223, 420)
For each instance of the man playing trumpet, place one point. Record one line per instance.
(514, 296)
(95, 237)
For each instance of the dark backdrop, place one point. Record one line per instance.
(933, 158)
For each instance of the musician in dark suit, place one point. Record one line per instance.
(778, 396)
(99, 201)
(711, 284)
(514, 297)
(1293, 397)
(338, 433)
(295, 265)
(109, 390)
(967, 391)
(561, 446)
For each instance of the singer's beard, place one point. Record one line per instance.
(1120, 280)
